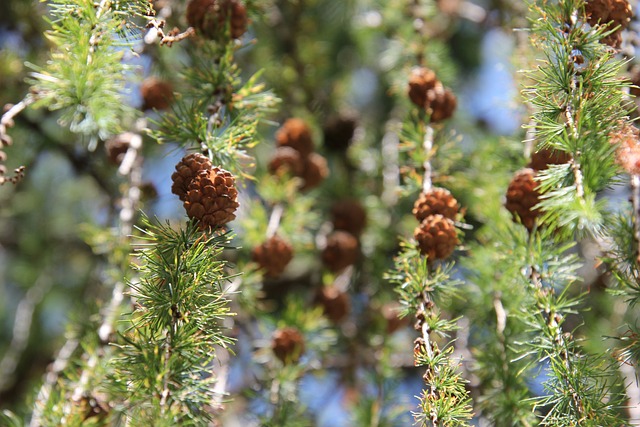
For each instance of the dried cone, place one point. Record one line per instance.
(287, 344)
(273, 256)
(436, 201)
(349, 215)
(342, 250)
(612, 12)
(522, 196)
(209, 17)
(541, 159)
(156, 94)
(186, 171)
(117, 147)
(211, 198)
(436, 237)
(296, 134)
(338, 132)
(421, 81)
(627, 142)
(441, 103)
(286, 160)
(315, 171)
(335, 303)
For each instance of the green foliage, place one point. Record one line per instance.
(164, 363)
(86, 72)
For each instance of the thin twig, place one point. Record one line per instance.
(427, 145)
(274, 220)
(22, 330)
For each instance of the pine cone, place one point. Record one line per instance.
(209, 17)
(612, 12)
(273, 256)
(211, 198)
(436, 201)
(338, 132)
(341, 251)
(156, 94)
(436, 236)
(421, 81)
(522, 196)
(296, 134)
(441, 103)
(627, 142)
(287, 344)
(335, 303)
(349, 215)
(186, 171)
(315, 171)
(541, 159)
(286, 160)
(117, 147)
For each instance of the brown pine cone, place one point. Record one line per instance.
(436, 236)
(212, 198)
(117, 146)
(286, 160)
(421, 81)
(186, 171)
(209, 17)
(341, 251)
(441, 103)
(287, 344)
(522, 196)
(273, 256)
(541, 159)
(296, 134)
(335, 303)
(436, 201)
(156, 94)
(391, 314)
(612, 12)
(349, 215)
(338, 132)
(627, 142)
(315, 171)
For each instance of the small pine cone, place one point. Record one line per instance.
(186, 171)
(612, 12)
(335, 304)
(212, 198)
(391, 314)
(286, 160)
(315, 171)
(522, 196)
(287, 344)
(338, 132)
(627, 142)
(296, 134)
(349, 215)
(342, 250)
(541, 159)
(421, 81)
(117, 147)
(436, 236)
(441, 103)
(156, 94)
(273, 256)
(436, 201)
(209, 17)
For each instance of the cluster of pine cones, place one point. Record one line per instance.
(295, 155)
(427, 92)
(208, 192)
(523, 193)
(436, 210)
